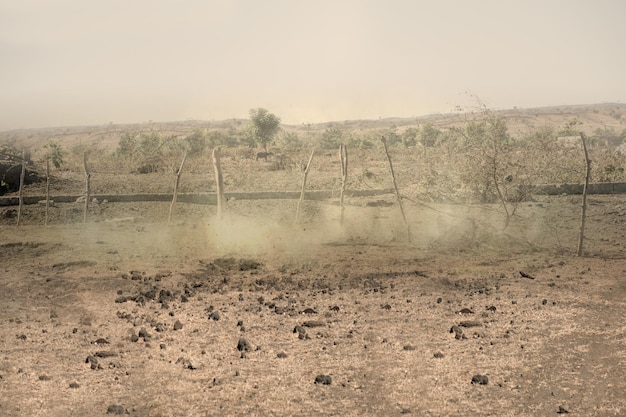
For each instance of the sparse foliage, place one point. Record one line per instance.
(54, 153)
(263, 126)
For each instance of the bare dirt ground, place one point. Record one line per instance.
(256, 316)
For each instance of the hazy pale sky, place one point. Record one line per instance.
(78, 62)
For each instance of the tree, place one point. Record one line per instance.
(54, 152)
(263, 126)
(429, 135)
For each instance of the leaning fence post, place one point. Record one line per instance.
(306, 173)
(583, 215)
(343, 156)
(219, 183)
(87, 187)
(47, 190)
(395, 186)
(180, 171)
(21, 191)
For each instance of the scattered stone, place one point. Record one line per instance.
(470, 324)
(116, 409)
(458, 332)
(240, 323)
(323, 379)
(162, 346)
(408, 347)
(178, 325)
(438, 355)
(480, 379)
(439, 300)
(465, 311)
(93, 362)
(74, 385)
(143, 333)
(308, 311)
(335, 309)
(105, 354)
(314, 323)
(386, 307)
(562, 410)
(282, 355)
(491, 308)
(134, 338)
(405, 411)
(21, 337)
(243, 345)
(544, 302)
(100, 341)
(45, 378)
(299, 329)
(215, 316)
(525, 275)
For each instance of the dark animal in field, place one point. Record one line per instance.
(263, 155)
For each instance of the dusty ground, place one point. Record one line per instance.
(129, 315)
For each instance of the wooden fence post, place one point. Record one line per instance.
(47, 190)
(219, 182)
(306, 173)
(395, 186)
(178, 173)
(343, 156)
(583, 215)
(87, 187)
(21, 191)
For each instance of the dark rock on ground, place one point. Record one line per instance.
(243, 345)
(562, 410)
(408, 347)
(438, 355)
(116, 409)
(465, 311)
(178, 325)
(314, 323)
(74, 385)
(323, 379)
(282, 355)
(45, 378)
(480, 379)
(470, 323)
(105, 354)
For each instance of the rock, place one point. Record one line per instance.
(215, 316)
(116, 409)
(178, 325)
(308, 311)
(282, 355)
(323, 379)
(562, 410)
(314, 323)
(438, 355)
(100, 341)
(105, 354)
(45, 378)
(243, 345)
(74, 385)
(458, 332)
(465, 311)
(470, 323)
(299, 329)
(143, 333)
(480, 379)
(408, 347)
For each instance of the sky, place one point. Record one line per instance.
(91, 62)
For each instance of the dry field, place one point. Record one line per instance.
(257, 316)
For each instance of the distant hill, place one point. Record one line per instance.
(606, 116)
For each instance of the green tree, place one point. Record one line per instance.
(54, 153)
(429, 135)
(331, 138)
(409, 137)
(263, 126)
(196, 142)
